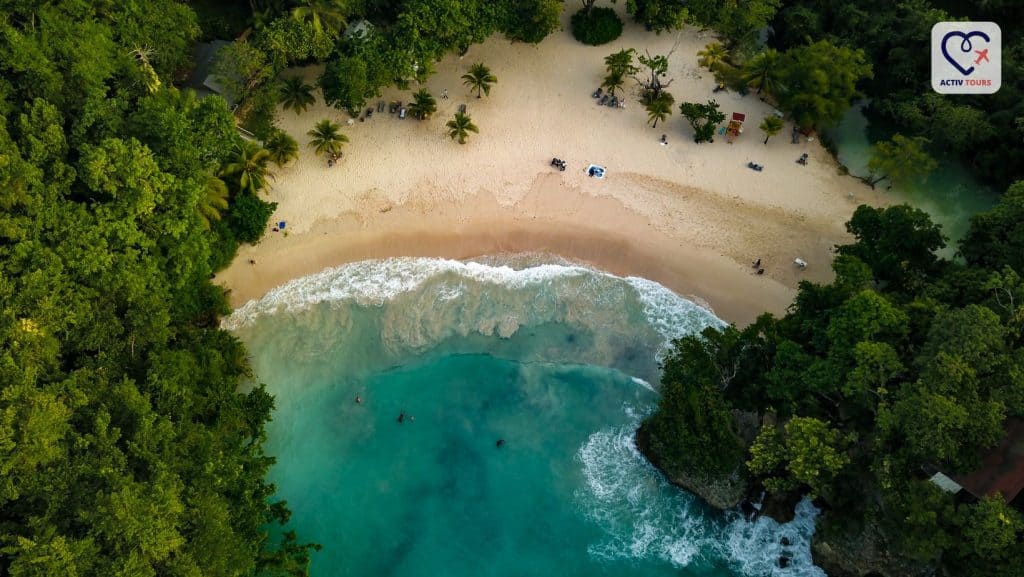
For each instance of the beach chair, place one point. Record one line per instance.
(799, 262)
(462, 108)
(380, 106)
(369, 113)
(401, 113)
(604, 100)
(597, 93)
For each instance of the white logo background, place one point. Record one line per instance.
(969, 52)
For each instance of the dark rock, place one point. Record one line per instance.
(783, 562)
(722, 493)
(785, 542)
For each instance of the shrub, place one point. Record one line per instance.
(599, 26)
(249, 216)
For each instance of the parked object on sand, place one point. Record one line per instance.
(800, 263)
(755, 166)
(402, 112)
(595, 171)
(597, 93)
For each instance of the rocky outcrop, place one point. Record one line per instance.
(720, 492)
(860, 553)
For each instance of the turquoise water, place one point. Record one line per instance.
(553, 359)
(950, 194)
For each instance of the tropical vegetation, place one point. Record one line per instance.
(423, 105)
(460, 126)
(479, 78)
(326, 138)
(596, 26)
(770, 126)
(703, 118)
(296, 94)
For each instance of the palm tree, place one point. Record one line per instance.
(423, 104)
(296, 94)
(713, 55)
(760, 72)
(282, 147)
(771, 125)
(659, 108)
(480, 79)
(326, 137)
(213, 201)
(323, 14)
(248, 167)
(613, 82)
(460, 126)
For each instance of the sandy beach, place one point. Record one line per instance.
(689, 216)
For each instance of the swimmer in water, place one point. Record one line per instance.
(500, 443)
(401, 417)
(359, 400)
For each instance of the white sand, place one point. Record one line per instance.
(690, 216)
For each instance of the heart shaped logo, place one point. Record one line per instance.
(965, 48)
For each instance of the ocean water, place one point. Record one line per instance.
(551, 358)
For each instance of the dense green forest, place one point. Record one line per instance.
(126, 447)
(126, 444)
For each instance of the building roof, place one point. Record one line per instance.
(203, 55)
(1002, 467)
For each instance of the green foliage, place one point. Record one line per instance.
(704, 118)
(713, 56)
(770, 126)
(423, 104)
(898, 244)
(659, 108)
(296, 95)
(249, 217)
(596, 26)
(288, 42)
(346, 84)
(621, 63)
(326, 138)
(901, 160)
(479, 78)
(810, 453)
(531, 20)
(248, 168)
(326, 17)
(126, 447)
(740, 21)
(992, 539)
(692, 429)
(460, 126)
(820, 81)
(762, 72)
(658, 15)
(241, 67)
(282, 148)
(995, 238)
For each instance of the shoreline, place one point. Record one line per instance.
(691, 217)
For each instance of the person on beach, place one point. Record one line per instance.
(252, 261)
(757, 263)
(401, 417)
(444, 94)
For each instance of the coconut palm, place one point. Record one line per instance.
(423, 104)
(659, 108)
(771, 125)
(324, 15)
(213, 201)
(248, 167)
(762, 70)
(479, 78)
(613, 82)
(326, 137)
(296, 95)
(713, 55)
(460, 126)
(282, 147)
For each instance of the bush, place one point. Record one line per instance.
(249, 216)
(599, 26)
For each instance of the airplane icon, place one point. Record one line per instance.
(982, 55)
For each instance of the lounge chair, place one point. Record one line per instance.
(614, 102)
(462, 108)
(401, 112)
(755, 166)
(393, 108)
(604, 100)
(597, 93)
(369, 113)
(380, 106)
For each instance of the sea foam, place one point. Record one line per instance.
(376, 282)
(644, 517)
